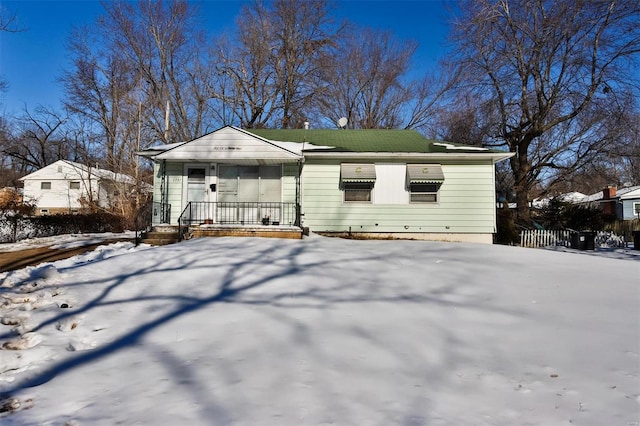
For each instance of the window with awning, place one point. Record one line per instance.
(350, 172)
(424, 181)
(425, 173)
(357, 180)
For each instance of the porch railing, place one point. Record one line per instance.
(238, 213)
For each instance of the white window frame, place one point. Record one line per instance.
(636, 209)
(45, 186)
(74, 184)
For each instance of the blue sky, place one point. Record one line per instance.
(32, 60)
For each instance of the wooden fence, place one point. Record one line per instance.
(542, 238)
(545, 238)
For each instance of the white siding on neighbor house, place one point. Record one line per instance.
(61, 195)
(466, 201)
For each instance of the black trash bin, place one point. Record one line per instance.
(583, 240)
(636, 240)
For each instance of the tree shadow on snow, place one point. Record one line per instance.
(256, 280)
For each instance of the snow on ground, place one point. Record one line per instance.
(65, 241)
(322, 331)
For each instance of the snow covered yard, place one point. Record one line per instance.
(322, 331)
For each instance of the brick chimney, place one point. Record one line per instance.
(609, 207)
(609, 192)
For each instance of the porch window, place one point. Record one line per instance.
(249, 194)
(45, 185)
(357, 181)
(424, 181)
(250, 184)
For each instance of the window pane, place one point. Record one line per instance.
(424, 187)
(357, 195)
(45, 185)
(423, 198)
(74, 185)
(357, 191)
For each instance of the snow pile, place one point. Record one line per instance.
(66, 241)
(321, 331)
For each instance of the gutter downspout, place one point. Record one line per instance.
(298, 221)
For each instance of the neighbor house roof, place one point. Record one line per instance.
(80, 171)
(622, 193)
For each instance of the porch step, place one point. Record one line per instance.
(161, 235)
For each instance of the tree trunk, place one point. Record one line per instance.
(521, 169)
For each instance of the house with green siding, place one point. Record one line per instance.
(358, 183)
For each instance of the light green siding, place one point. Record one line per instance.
(465, 203)
(289, 173)
(173, 180)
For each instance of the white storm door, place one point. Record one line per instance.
(197, 191)
(196, 184)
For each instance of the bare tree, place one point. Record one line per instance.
(99, 88)
(367, 80)
(362, 79)
(269, 73)
(9, 21)
(549, 71)
(40, 140)
(246, 88)
(162, 41)
(141, 76)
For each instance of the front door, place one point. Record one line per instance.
(197, 193)
(196, 184)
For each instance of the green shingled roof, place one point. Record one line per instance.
(366, 140)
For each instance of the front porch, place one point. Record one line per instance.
(222, 219)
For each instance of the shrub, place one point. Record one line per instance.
(14, 228)
(560, 214)
(506, 227)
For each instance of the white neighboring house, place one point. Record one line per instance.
(67, 187)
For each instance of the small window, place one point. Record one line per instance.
(44, 211)
(424, 192)
(45, 185)
(636, 209)
(74, 185)
(357, 192)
